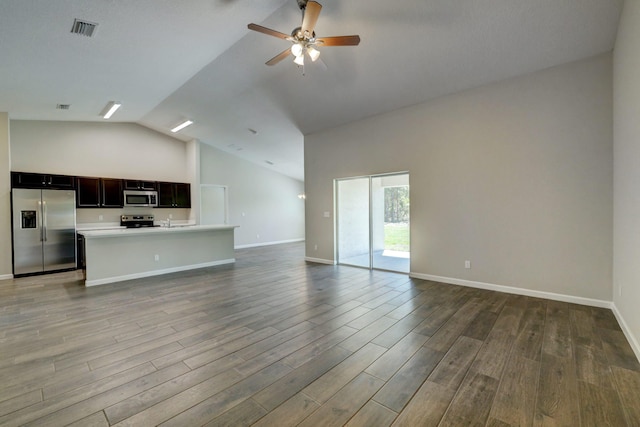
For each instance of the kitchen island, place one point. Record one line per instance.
(121, 254)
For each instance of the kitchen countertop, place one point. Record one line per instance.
(122, 232)
(82, 228)
(116, 225)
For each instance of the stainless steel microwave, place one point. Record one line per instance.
(140, 198)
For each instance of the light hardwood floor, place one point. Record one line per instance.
(275, 341)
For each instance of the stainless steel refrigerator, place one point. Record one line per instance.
(44, 230)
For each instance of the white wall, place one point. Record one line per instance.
(626, 130)
(515, 176)
(5, 199)
(117, 150)
(262, 202)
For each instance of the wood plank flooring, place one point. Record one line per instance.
(275, 341)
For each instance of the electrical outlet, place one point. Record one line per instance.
(170, 216)
(257, 236)
(326, 214)
(156, 257)
(467, 264)
(100, 217)
(315, 247)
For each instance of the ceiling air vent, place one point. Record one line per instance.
(83, 28)
(63, 106)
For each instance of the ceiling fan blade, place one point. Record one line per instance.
(279, 57)
(268, 31)
(311, 14)
(339, 41)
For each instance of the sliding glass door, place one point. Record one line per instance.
(353, 222)
(373, 221)
(390, 222)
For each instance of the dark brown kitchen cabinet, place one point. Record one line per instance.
(99, 193)
(174, 195)
(88, 192)
(111, 193)
(39, 180)
(134, 184)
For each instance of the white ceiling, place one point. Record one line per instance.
(166, 60)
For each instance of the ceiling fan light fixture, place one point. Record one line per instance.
(297, 49)
(299, 60)
(314, 53)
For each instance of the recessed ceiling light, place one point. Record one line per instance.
(253, 131)
(182, 125)
(268, 162)
(109, 109)
(63, 106)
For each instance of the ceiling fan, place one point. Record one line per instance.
(304, 37)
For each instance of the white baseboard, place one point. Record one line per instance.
(517, 291)
(320, 260)
(279, 242)
(114, 279)
(6, 276)
(635, 346)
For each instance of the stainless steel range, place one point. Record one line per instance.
(136, 221)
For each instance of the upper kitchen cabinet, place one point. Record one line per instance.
(99, 193)
(174, 195)
(88, 193)
(38, 180)
(111, 192)
(134, 184)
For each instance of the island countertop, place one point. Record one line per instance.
(121, 232)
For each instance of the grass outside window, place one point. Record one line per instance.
(396, 236)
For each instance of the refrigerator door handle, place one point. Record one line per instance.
(44, 221)
(40, 224)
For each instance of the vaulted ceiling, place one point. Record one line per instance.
(166, 60)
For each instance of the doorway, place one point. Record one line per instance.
(373, 222)
(213, 204)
